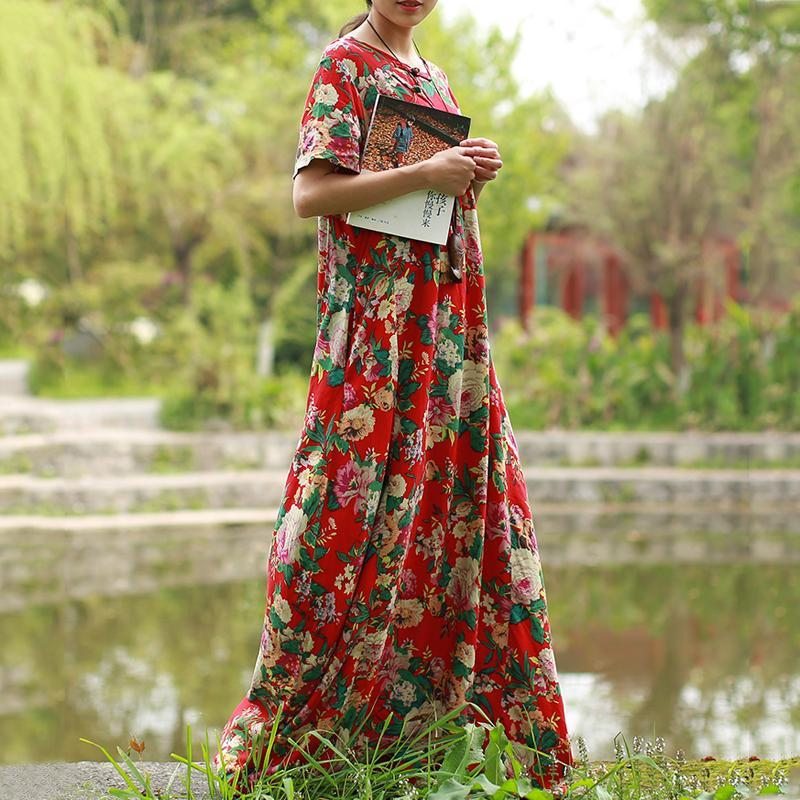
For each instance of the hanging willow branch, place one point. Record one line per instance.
(64, 122)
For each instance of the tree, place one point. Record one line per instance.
(65, 122)
(654, 186)
(755, 46)
(737, 26)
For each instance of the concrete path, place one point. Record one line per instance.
(87, 780)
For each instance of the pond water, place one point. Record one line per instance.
(705, 655)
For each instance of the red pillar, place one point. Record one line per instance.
(614, 294)
(569, 292)
(732, 272)
(703, 309)
(658, 312)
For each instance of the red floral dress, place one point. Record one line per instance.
(404, 572)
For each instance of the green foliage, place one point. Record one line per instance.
(65, 124)
(295, 317)
(741, 374)
(104, 325)
(741, 25)
(212, 347)
(745, 78)
(452, 761)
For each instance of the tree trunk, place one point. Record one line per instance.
(676, 314)
(184, 255)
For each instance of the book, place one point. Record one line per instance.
(402, 133)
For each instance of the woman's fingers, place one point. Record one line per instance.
(489, 163)
(486, 152)
(479, 142)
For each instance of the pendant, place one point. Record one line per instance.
(456, 255)
(456, 249)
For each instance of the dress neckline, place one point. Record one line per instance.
(385, 53)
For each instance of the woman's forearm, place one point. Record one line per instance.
(321, 192)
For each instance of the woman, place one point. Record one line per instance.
(403, 136)
(403, 578)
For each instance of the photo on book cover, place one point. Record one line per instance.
(403, 133)
(406, 133)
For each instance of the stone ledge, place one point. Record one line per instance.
(107, 494)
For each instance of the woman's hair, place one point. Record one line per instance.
(356, 21)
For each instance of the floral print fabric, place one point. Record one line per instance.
(404, 573)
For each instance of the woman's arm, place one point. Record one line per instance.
(319, 191)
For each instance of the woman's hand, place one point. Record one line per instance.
(449, 171)
(486, 156)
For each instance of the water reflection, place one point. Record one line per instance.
(705, 655)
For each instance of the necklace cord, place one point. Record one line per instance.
(414, 70)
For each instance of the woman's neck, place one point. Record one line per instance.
(399, 38)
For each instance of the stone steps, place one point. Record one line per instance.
(126, 452)
(21, 415)
(761, 490)
(92, 450)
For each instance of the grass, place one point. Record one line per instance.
(451, 761)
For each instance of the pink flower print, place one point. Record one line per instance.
(352, 484)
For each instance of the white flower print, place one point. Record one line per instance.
(348, 68)
(337, 335)
(526, 580)
(396, 486)
(447, 351)
(326, 94)
(288, 537)
(342, 290)
(403, 292)
(474, 388)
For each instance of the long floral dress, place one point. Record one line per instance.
(404, 573)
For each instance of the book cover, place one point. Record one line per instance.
(404, 133)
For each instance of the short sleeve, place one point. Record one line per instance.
(331, 126)
(444, 82)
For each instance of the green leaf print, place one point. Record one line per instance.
(425, 332)
(476, 439)
(518, 613)
(408, 425)
(471, 618)
(545, 740)
(427, 266)
(321, 110)
(359, 612)
(276, 621)
(306, 562)
(341, 129)
(393, 503)
(537, 631)
(336, 377)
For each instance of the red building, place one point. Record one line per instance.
(580, 273)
